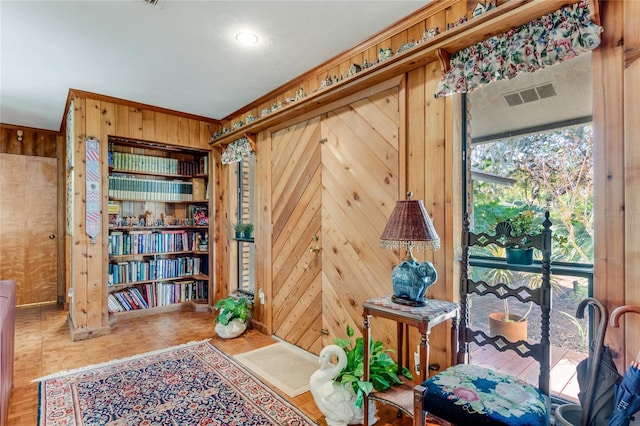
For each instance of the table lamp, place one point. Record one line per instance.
(410, 227)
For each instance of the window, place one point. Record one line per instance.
(529, 146)
(245, 245)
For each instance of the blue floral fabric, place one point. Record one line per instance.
(473, 395)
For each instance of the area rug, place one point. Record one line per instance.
(192, 384)
(283, 365)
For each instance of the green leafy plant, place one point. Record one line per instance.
(233, 307)
(248, 229)
(382, 368)
(239, 227)
(523, 220)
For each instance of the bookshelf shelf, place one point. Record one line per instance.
(143, 200)
(145, 173)
(154, 254)
(158, 227)
(119, 286)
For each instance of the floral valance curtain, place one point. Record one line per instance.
(237, 150)
(548, 40)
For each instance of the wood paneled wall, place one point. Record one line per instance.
(35, 142)
(616, 92)
(432, 128)
(100, 116)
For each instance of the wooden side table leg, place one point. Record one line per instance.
(366, 342)
(424, 355)
(400, 338)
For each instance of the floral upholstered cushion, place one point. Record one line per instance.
(473, 395)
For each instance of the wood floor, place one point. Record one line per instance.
(43, 347)
(564, 380)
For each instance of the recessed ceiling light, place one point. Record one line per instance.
(247, 38)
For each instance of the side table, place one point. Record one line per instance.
(424, 318)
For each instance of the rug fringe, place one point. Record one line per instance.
(115, 361)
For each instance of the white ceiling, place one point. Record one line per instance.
(182, 55)
(179, 54)
(491, 115)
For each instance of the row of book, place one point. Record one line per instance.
(146, 296)
(148, 242)
(153, 269)
(159, 165)
(150, 189)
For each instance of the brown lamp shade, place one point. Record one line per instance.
(410, 226)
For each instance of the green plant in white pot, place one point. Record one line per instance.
(338, 389)
(233, 315)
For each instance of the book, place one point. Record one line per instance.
(201, 215)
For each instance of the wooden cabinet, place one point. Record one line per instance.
(158, 249)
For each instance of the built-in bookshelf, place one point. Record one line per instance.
(158, 227)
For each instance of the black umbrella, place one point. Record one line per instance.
(597, 375)
(602, 393)
(627, 395)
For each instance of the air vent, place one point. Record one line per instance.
(513, 99)
(546, 91)
(152, 2)
(531, 94)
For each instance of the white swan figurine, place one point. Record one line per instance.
(335, 400)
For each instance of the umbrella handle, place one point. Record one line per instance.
(614, 321)
(597, 353)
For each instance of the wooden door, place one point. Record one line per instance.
(296, 197)
(360, 168)
(28, 226)
(334, 177)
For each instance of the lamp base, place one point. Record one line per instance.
(407, 302)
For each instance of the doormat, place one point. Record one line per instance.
(285, 366)
(191, 384)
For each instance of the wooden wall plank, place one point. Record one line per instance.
(172, 130)
(80, 261)
(608, 165)
(631, 58)
(122, 120)
(416, 133)
(194, 134)
(264, 232)
(148, 125)
(135, 123)
(35, 142)
(160, 127)
(183, 132)
(96, 285)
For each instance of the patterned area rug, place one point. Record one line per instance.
(192, 384)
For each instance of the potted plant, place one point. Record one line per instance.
(233, 315)
(345, 379)
(513, 326)
(523, 222)
(248, 230)
(239, 228)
